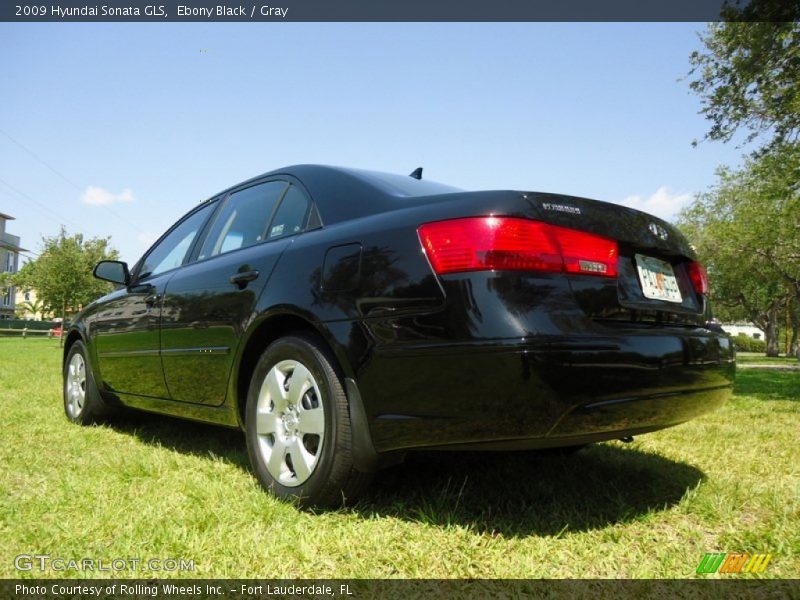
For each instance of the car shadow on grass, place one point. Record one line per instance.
(187, 437)
(517, 494)
(514, 494)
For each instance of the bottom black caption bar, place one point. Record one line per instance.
(405, 589)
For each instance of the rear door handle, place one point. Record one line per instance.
(242, 279)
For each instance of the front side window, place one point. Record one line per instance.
(244, 219)
(171, 252)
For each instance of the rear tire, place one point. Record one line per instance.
(82, 401)
(298, 427)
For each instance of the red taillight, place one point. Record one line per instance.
(699, 277)
(507, 243)
(586, 253)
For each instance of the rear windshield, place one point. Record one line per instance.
(403, 185)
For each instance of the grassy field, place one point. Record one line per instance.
(152, 487)
(756, 358)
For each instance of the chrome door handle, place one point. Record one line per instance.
(152, 299)
(242, 279)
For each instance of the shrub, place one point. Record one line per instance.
(744, 343)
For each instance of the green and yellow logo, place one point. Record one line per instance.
(733, 562)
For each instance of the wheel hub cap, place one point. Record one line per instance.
(76, 385)
(290, 422)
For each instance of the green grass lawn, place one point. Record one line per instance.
(761, 358)
(153, 487)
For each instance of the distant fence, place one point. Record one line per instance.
(29, 333)
(24, 328)
(25, 324)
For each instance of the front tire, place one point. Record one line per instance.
(298, 426)
(82, 401)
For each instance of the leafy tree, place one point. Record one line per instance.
(749, 76)
(748, 79)
(5, 282)
(62, 275)
(747, 230)
(741, 286)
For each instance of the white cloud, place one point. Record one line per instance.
(663, 203)
(98, 196)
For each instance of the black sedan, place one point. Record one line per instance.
(343, 318)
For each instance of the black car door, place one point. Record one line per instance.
(127, 328)
(209, 302)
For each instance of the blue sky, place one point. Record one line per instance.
(126, 126)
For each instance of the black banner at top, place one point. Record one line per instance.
(160, 11)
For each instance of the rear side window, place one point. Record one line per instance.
(290, 217)
(244, 219)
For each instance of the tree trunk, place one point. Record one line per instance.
(788, 325)
(63, 324)
(794, 315)
(772, 330)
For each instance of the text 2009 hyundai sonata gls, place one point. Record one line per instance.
(342, 318)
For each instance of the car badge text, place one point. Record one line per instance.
(574, 210)
(658, 231)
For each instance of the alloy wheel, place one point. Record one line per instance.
(290, 422)
(76, 385)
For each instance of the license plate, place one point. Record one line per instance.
(657, 279)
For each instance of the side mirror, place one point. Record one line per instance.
(114, 271)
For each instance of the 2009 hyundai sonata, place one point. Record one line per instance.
(342, 318)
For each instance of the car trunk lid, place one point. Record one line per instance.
(653, 283)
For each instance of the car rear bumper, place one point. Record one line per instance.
(544, 392)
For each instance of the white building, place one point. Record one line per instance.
(9, 263)
(747, 329)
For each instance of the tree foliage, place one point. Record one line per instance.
(749, 76)
(62, 275)
(6, 282)
(747, 230)
(748, 226)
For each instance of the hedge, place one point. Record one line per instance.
(744, 343)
